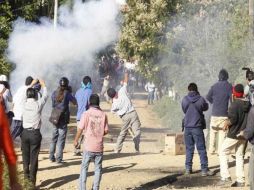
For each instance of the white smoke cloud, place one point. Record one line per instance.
(42, 51)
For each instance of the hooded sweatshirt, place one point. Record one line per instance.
(219, 95)
(193, 105)
(237, 114)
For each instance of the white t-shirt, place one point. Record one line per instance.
(19, 100)
(122, 104)
(7, 98)
(150, 87)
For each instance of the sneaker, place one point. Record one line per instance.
(77, 154)
(60, 162)
(225, 182)
(188, 172)
(116, 151)
(238, 184)
(207, 173)
(52, 160)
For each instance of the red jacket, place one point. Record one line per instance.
(6, 144)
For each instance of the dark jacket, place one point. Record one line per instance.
(193, 106)
(237, 114)
(64, 105)
(219, 95)
(249, 130)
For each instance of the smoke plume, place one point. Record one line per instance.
(42, 51)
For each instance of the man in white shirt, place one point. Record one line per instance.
(123, 107)
(150, 88)
(31, 135)
(19, 100)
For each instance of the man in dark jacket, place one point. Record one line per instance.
(219, 96)
(237, 119)
(248, 134)
(193, 106)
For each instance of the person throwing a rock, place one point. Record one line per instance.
(123, 107)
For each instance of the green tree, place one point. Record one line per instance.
(142, 34)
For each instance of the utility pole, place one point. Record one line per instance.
(55, 13)
(251, 14)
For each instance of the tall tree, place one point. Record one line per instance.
(142, 35)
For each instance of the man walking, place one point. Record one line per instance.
(236, 122)
(219, 96)
(123, 107)
(82, 96)
(193, 106)
(94, 123)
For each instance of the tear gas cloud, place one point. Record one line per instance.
(41, 51)
(69, 50)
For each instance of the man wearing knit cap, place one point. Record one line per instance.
(236, 122)
(219, 96)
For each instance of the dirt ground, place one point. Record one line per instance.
(151, 169)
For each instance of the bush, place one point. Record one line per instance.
(170, 113)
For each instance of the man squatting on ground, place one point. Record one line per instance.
(31, 135)
(123, 107)
(193, 106)
(237, 118)
(219, 96)
(82, 96)
(94, 125)
(7, 149)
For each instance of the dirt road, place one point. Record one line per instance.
(152, 169)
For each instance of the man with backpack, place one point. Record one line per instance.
(60, 106)
(193, 106)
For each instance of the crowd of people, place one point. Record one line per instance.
(25, 121)
(232, 124)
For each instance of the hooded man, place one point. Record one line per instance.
(82, 96)
(236, 122)
(219, 96)
(193, 106)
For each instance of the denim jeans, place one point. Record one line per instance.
(192, 137)
(150, 97)
(16, 128)
(58, 138)
(251, 168)
(97, 157)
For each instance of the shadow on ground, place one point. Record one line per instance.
(58, 182)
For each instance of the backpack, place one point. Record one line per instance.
(58, 114)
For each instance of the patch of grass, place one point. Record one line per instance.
(25, 183)
(170, 113)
